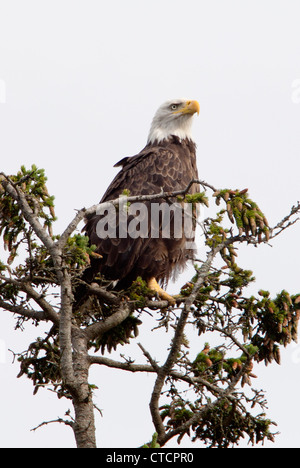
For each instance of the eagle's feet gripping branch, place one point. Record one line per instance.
(154, 286)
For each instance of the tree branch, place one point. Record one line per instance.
(127, 366)
(154, 365)
(50, 313)
(58, 420)
(286, 222)
(98, 329)
(108, 296)
(27, 313)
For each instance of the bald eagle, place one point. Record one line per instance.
(167, 163)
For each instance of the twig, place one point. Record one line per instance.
(154, 368)
(285, 222)
(127, 366)
(58, 420)
(153, 363)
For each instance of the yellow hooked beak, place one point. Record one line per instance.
(191, 107)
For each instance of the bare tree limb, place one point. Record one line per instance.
(99, 328)
(26, 313)
(58, 420)
(127, 366)
(24, 286)
(286, 222)
(153, 363)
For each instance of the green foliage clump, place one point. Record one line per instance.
(41, 364)
(219, 425)
(244, 212)
(223, 425)
(78, 251)
(199, 197)
(212, 363)
(153, 443)
(270, 323)
(13, 227)
(139, 292)
(178, 413)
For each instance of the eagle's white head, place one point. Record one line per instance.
(173, 118)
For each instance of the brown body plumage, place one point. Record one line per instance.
(170, 166)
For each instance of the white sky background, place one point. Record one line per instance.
(80, 82)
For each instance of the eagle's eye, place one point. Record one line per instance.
(174, 107)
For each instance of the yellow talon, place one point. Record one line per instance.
(153, 284)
